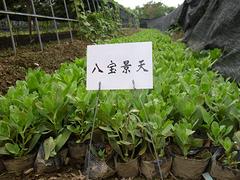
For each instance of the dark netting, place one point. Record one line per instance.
(162, 23)
(209, 24)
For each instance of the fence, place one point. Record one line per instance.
(54, 18)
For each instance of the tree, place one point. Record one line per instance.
(152, 10)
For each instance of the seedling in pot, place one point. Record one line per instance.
(231, 155)
(154, 115)
(52, 146)
(103, 153)
(218, 132)
(183, 137)
(19, 127)
(126, 138)
(157, 130)
(194, 156)
(80, 121)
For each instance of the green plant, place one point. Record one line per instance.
(187, 101)
(218, 132)
(53, 105)
(99, 25)
(99, 153)
(158, 127)
(80, 121)
(183, 137)
(230, 157)
(52, 146)
(19, 132)
(126, 137)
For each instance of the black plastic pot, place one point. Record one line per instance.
(220, 172)
(52, 164)
(188, 168)
(18, 165)
(127, 169)
(150, 169)
(2, 167)
(98, 169)
(77, 152)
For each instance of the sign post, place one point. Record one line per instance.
(119, 67)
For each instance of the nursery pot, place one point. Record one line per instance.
(150, 169)
(18, 165)
(127, 169)
(188, 168)
(2, 167)
(52, 164)
(98, 168)
(220, 172)
(77, 151)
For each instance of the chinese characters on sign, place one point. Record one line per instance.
(116, 66)
(126, 67)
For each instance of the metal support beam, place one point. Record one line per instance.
(94, 6)
(54, 21)
(10, 28)
(37, 25)
(98, 6)
(37, 16)
(69, 24)
(89, 7)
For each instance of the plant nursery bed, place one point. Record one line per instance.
(186, 126)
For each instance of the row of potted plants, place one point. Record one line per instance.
(190, 117)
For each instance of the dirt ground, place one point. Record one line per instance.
(13, 68)
(66, 174)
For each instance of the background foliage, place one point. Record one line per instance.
(152, 10)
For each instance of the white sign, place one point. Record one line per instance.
(117, 66)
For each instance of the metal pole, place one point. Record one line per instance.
(37, 15)
(54, 21)
(89, 7)
(69, 24)
(37, 25)
(10, 28)
(93, 1)
(98, 5)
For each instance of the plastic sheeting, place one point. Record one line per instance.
(209, 24)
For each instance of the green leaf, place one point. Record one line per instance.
(3, 151)
(107, 129)
(228, 130)
(4, 131)
(13, 149)
(34, 141)
(62, 139)
(113, 135)
(143, 149)
(215, 129)
(206, 116)
(49, 148)
(167, 128)
(124, 143)
(116, 147)
(227, 144)
(197, 143)
(189, 132)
